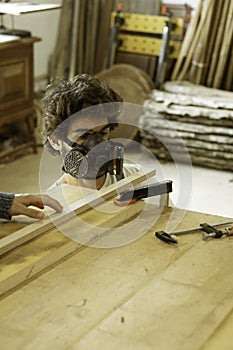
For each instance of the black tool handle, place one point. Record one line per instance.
(147, 191)
(166, 237)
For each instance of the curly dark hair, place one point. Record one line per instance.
(64, 98)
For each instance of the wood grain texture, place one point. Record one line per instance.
(37, 228)
(126, 297)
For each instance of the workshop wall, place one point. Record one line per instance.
(43, 25)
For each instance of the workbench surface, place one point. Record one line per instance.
(143, 295)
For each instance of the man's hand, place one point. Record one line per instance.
(21, 203)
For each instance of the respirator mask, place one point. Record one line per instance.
(94, 158)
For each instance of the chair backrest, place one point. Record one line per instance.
(147, 35)
(140, 33)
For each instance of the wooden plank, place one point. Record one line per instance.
(80, 37)
(204, 54)
(229, 78)
(199, 63)
(76, 38)
(205, 160)
(214, 114)
(221, 338)
(190, 304)
(225, 48)
(174, 126)
(193, 138)
(218, 43)
(188, 88)
(96, 289)
(91, 32)
(188, 38)
(27, 233)
(213, 101)
(208, 142)
(21, 264)
(210, 43)
(185, 68)
(193, 149)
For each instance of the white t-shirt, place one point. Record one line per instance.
(128, 169)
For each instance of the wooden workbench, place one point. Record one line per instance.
(142, 295)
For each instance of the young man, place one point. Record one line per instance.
(77, 120)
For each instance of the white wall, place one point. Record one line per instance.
(44, 25)
(192, 3)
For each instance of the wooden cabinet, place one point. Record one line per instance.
(17, 88)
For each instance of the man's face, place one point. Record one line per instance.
(96, 157)
(82, 127)
(78, 131)
(86, 132)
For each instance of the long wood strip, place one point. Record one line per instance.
(224, 53)
(75, 41)
(79, 35)
(195, 41)
(215, 114)
(29, 232)
(217, 45)
(188, 88)
(213, 141)
(201, 56)
(215, 19)
(207, 161)
(187, 41)
(198, 99)
(229, 78)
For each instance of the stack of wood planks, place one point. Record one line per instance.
(199, 116)
(206, 55)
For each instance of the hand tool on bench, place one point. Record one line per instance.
(131, 196)
(209, 232)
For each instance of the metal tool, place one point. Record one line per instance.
(209, 232)
(131, 196)
(114, 37)
(212, 232)
(164, 51)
